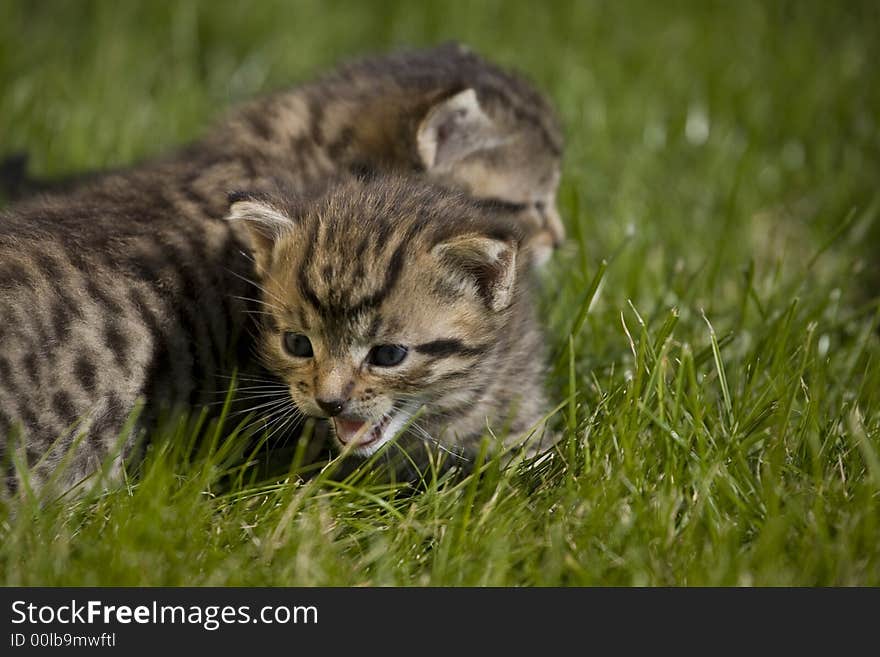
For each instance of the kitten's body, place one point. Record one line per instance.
(501, 143)
(105, 303)
(133, 287)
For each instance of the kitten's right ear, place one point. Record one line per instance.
(454, 128)
(265, 221)
(483, 263)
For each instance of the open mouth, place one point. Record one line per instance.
(360, 435)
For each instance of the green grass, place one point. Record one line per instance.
(721, 394)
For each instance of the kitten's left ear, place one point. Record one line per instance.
(454, 128)
(265, 221)
(486, 263)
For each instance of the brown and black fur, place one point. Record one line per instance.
(439, 275)
(104, 304)
(365, 117)
(133, 287)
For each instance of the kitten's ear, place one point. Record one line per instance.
(454, 128)
(265, 221)
(485, 263)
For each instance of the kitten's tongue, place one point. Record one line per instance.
(348, 430)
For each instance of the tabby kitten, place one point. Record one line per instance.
(393, 305)
(133, 288)
(444, 111)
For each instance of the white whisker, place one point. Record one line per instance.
(271, 404)
(256, 285)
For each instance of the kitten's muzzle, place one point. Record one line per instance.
(358, 432)
(332, 407)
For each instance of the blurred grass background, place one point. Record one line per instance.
(723, 158)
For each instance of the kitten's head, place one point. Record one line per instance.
(382, 297)
(500, 140)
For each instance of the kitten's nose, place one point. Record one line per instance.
(331, 407)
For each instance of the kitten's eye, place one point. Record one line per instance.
(539, 206)
(500, 205)
(296, 344)
(387, 355)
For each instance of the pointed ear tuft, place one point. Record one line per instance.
(454, 128)
(264, 220)
(485, 263)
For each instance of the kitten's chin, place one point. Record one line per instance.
(364, 439)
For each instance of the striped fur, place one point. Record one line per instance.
(131, 287)
(428, 280)
(372, 115)
(104, 304)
